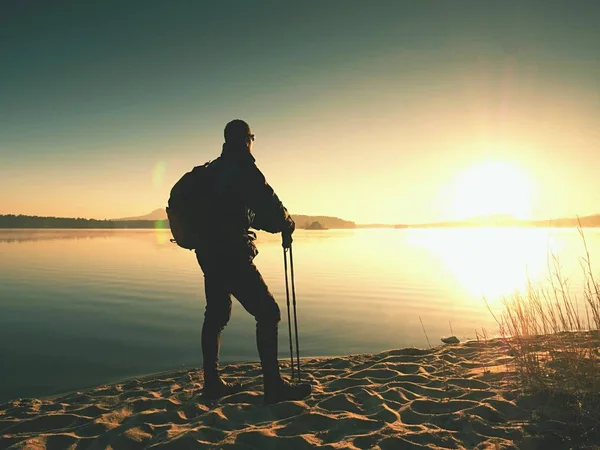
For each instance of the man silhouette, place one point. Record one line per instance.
(243, 199)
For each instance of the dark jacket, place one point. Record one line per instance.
(244, 200)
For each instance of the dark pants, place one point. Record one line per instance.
(223, 277)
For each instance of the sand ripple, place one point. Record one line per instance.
(448, 397)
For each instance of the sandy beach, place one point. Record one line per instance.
(455, 396)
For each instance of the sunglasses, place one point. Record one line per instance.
(251, 137)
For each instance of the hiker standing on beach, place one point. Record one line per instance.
(243, 199)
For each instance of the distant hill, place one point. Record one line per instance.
(157, 214)
(302, 221)
(156, 219)
(493, 220)
(586, 221)
(502, 220)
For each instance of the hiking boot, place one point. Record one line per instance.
(283, 390)
(215, 389)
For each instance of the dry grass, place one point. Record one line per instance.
(554, 337)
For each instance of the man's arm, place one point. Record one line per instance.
(269, 213)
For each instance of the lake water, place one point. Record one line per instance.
(83, 307)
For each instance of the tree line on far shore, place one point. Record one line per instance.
(21, 221)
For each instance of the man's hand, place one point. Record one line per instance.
(286, 234)
(286, 239)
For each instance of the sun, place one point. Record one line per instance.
(490, 188)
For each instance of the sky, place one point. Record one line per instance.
(375, 112)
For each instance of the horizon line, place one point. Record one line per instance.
(504, 219)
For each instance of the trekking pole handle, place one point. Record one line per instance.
(286, 240)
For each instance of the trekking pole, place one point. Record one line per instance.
(295, 315)
(287, 293)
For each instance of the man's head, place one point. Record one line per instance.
(238, 133)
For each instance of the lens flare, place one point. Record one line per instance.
(162, 235)
(158, 174)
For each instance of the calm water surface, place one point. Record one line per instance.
(83, 307)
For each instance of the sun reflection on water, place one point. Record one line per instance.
(491, 262)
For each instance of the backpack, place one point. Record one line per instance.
(191, 202)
